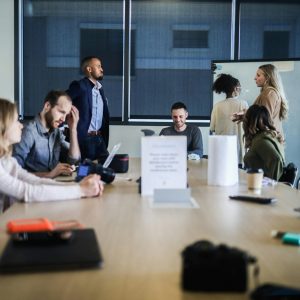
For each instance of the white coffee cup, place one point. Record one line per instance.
(254, 178)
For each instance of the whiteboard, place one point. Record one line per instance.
(245, 72)
(289, 70)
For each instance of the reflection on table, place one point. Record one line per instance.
(142, 246)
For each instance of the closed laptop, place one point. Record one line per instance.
(47, 251)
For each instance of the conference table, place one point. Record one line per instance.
(142, 244)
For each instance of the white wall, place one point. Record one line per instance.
(7, 49)
(130, 137)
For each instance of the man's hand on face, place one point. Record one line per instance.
(73, 118)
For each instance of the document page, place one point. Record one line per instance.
(164, 163)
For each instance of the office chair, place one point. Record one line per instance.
(289, 175)
(298, 184)
(148, 132)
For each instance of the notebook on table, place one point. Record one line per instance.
(40, 253)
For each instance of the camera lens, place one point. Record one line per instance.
(107, 175)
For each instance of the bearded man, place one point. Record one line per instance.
(43, 144)
(179, 115)
(88, 96)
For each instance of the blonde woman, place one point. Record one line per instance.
(16, 184)
(271, 95)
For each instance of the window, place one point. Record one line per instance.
(153, 52)
(161, 44)
(57, 34)
(269, 29)
(107, 44)
(173, 59)
(272, 38)
(190, 39)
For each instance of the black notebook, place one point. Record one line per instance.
(42, 251)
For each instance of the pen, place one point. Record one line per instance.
(277, 234)
(287, 237)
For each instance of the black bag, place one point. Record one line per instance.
(207, 267)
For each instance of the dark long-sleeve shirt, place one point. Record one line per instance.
(194, 138)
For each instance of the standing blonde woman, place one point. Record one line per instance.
(271, 94)
(16, 184)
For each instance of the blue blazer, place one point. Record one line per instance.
(81, 93)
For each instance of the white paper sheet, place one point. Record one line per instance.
(164, 163)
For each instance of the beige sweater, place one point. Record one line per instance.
(271, 99)
(222, 124)
(17, 184)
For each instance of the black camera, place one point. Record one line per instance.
(207, 267)
(89, 167)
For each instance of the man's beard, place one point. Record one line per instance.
(49, 120)
(100, 78)
(179, 125)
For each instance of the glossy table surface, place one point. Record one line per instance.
(142, 246)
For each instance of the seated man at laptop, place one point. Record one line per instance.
(179, 115)
(43, 143)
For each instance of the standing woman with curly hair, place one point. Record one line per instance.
(272, 95)
(263, 142)
(221, 123)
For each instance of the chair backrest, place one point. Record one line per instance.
(298, 184)
(148, 132)
(289, 174)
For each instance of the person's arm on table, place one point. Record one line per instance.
(30, 188)
(197, 145)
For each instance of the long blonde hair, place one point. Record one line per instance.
(273, 80)
(7, 114)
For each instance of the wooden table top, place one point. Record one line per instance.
(142, 246)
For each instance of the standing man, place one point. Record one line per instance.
(194, 137)
(43, 144)
(88, 96)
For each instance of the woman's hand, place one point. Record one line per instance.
(91, 186)
(238, 116)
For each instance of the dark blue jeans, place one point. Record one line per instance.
(93, 147)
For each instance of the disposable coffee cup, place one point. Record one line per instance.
(254, 178)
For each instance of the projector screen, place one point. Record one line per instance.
(289, 70)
